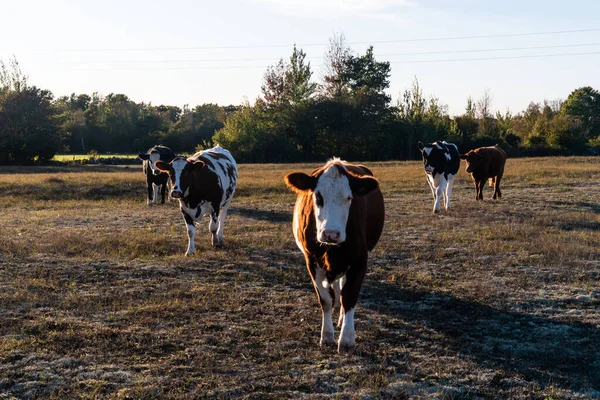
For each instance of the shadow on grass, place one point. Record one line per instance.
(538, 349)
(265, 215)
(579, 205)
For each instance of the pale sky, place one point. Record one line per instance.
(195, 52)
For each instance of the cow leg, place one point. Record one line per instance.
(163, 192)
(155, 198)
(449, 191)
(479, 189)
(326, 295)
(150, 192)
(191, 232)
(429, 181)
(439, 190)
(221, 225)
(497, 187)
(349, 297)
(213, 227)
(337, 288)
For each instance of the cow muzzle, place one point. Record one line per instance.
(176, 194)
(330, 236)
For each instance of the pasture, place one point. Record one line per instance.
(492, 299)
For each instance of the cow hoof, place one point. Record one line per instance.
(189, 254)
(327, 343)
(346, 349)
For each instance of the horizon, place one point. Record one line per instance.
(219, 53)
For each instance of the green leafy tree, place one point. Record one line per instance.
(28, 130)
(583, 104)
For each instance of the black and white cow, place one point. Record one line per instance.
(155, 179)
(441, 161)
(204, 184)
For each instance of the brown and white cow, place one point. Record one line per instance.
(486, 163)
(338, 219)
(204, 184)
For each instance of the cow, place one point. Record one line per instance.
(338, 219)
(486, 163)
(204, 184)
(441, 161)
(155, 179)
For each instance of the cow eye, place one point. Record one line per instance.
(349, 198)
(319, 199)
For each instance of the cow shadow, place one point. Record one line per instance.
(537, 348)
(264, 215)
(583, 205)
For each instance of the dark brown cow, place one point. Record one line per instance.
(486, 163)
(338, 219)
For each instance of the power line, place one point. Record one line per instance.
(496, 58)
(391, 62)
(322, 44)
(319, 58)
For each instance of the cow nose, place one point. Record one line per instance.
(331, 236)
(176, 194)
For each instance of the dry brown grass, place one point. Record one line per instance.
(493, 299)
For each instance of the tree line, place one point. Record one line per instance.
(348, 114)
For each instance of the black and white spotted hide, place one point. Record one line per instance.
(441, 161)
(155, 179)
(204, 184)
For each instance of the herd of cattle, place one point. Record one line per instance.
(338, 215)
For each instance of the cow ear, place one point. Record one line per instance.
(363, 185)
(163, 166)
(300, 182)
(463, 156)
(420, 144)
(198, 164)
(143, 156)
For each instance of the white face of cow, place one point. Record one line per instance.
(332, 198)
(177, 167)
(152, 158)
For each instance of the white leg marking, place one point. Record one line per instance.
(156, 191)
(327, 332)
(337, 287)
(449, 190)
(222, 215)
(191, 231)
(440, 184)
(429, 180)
(347, 337)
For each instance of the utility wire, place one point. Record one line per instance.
(391, 62)
(319, 58)
(321, 44)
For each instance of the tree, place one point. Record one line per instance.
(336, 58)
(584, 105)
(28, 131)
(249, 134)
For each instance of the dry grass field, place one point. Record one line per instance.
(492, 299)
